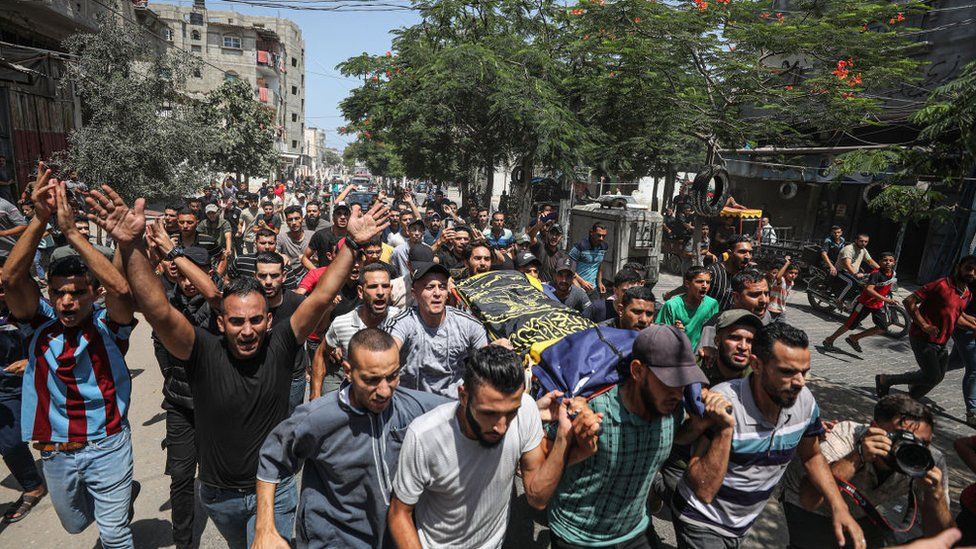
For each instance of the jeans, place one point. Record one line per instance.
(181, 466)
(691, 536)
(39, 266)
(932, 361)
(297, 394)
(94, 484)
(964, 351)
(16, 454)
(233, 511)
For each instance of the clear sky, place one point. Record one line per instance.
(330, 38)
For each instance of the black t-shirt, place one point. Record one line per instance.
(323, 242)
(233, 216)
(601, 310)
(214, 250)
(237, 403)
(274, 221)
(449, 260)
(280, 316)
(547, 261)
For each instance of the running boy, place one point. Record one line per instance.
(876, 292)
(691, 310)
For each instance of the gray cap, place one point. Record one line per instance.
(565, 263)
(666, 350)
(738, 316)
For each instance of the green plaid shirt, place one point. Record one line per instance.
(603, 499)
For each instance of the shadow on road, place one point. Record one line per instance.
(155, 419)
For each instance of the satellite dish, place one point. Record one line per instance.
(788, 190)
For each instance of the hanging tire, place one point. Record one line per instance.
(705, 205)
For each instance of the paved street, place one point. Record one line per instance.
(843, 383)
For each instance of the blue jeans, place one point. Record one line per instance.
(94, 484)
(964, 351)
(16, 454)
(39, 266)
(297, 394)
(233, 512)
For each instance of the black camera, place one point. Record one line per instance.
(909, 455)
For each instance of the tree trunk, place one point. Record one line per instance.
(900, 239)
(669, 178)
(520, 195)
(654, 201)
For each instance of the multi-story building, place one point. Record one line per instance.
(314, 149)
(266, 52)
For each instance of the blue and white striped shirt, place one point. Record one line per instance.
(760, 454)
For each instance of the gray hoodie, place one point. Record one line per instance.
(349, 457)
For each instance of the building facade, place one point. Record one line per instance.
(266, 52)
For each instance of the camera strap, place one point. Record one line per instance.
(872, 512)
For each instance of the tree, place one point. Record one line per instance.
(331, 158)
(245, 143)
(141, 133)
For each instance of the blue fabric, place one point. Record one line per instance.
(588, 259)
(583, 363)
(94, 484)
(233, 512)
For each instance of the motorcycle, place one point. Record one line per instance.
(823, 298)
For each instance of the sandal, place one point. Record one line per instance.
(20, 508)
(854, 344)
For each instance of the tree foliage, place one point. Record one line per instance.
(245, 142)
(140, 134)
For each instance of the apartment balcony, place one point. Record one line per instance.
(268, 97)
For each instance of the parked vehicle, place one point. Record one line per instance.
(823, 298)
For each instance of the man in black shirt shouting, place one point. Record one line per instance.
(241, 379)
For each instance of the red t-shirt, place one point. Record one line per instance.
(940, 303)
(882, 284)
(308, 284)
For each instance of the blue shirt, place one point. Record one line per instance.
(588, 259)
(502, 241)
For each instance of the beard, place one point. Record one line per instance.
(726, 360)
(473, 425)
(784, 398)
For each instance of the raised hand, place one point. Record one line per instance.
(66, 215)
(363, 228)
(111, 213)
(159, 237)
(43, 195)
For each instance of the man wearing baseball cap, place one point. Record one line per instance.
(434, 338)
(562, 288)
(526, 263)
(602, 501)
(217, 228)
(734, 331)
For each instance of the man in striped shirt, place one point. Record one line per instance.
(76, 386)
(743, 454)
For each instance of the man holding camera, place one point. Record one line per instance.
(901, 481)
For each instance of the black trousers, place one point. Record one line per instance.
(933, 359)
(181, 466)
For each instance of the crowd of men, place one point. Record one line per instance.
(328, 388)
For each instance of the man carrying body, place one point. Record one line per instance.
(76, 414)
(325, 437)
(588, 255)
(860, 454)
(240, 381)
(635, 310)
(434, 338)
(477, 260)
(741, 454)
(457, 465)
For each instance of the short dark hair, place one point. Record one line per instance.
(314, 202)
(746, 276)
(836, 227)
(372, 242)
(694, 271)
(176, 207)
(887, 254)
(373, 340)
(69, 266)
(495, 365)
(464, 228)
(469, 249)
(265, 232)
(194, 199)
(638, 268)
(859, 235)
(624, 276)
(598, 225)
(899, 406)
(270, 257)
(243, 286)
(762, 345)
(374, 267)
(185, 210)
(642, 293)
(966, 260)
(293, 209)
(737, 239)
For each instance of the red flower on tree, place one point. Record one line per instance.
(780, 17)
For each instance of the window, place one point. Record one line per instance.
(197, 73)
(294, 62)
(168, 34)
(294, 117)
(294, 144)
(196, 48)
(196, 18)
(294, 90)
(195, 35)
(232, 42)
(230, 76)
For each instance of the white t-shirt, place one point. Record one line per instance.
(345, 326)
(461, 489)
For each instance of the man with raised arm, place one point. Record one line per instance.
(77, 385)
(241, 379)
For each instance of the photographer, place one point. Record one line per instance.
(877, 460)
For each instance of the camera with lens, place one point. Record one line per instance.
(909, 455)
